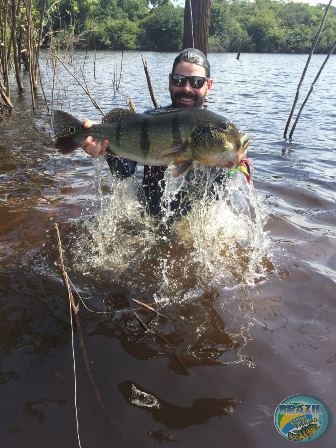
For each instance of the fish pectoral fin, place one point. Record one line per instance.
(181, 168)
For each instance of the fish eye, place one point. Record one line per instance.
(72, 129)
(224, 126)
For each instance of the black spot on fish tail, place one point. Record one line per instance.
(65, 145)
(144, 138)
(176, 132)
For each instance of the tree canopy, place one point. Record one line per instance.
(235, 25)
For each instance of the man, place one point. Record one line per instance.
(189, 85)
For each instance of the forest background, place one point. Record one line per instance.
(235, 25)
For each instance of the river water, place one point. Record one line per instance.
(243, 287)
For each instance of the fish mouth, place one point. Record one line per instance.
(244, 142)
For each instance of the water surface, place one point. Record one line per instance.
(245, 286)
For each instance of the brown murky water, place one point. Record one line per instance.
(234, 337)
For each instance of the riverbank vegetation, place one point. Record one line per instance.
(156, 25)
(235, 25)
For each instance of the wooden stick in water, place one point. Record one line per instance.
(75, 309)
(162, 339)
(310, 91)
(148, 307)
(149, 83)
(84, 87)
(305, 69)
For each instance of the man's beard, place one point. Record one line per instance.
(198, 100)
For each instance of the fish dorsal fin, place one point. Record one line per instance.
(165, 110)
(118, 115)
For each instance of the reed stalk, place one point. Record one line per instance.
(317, 36)
(310, 91)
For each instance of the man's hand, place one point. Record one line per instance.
(94, 148)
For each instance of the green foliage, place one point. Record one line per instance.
(235, 25)
(119, 34)
(269, 26)
(226, 31)
(122, 24)
(162, 29)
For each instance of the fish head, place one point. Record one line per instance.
(68, 131)
(219, 143)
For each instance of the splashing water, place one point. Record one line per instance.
(186, 263)
(219, 243)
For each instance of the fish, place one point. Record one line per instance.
(176, 136)
(303, 433)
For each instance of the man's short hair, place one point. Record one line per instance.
(193, 56)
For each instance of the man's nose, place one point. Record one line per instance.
(187, 86)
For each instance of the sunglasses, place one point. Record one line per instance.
(196, 82)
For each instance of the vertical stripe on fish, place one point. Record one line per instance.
(176, 132)
(118, 133)
(144, 138)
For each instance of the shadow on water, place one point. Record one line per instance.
(172, 416)
(188, 335)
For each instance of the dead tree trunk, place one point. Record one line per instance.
(196, 24)
(16, 56)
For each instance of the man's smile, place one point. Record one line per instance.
(185, 98)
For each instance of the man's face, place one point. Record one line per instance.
(187, 96)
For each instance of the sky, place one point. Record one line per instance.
(314, 2)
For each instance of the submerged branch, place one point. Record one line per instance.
(148, 307)
(75, 309)
(162, 340)
(84, 87)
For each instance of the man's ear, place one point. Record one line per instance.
(209, 84)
